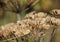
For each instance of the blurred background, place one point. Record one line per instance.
(10, 8)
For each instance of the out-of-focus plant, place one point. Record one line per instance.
(19, 6)
(43, 5)
(2, 5)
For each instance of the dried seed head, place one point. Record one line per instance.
(55, 12)
(46, 26)
(41, 14)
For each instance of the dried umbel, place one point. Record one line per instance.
(38, 18)
(55, 21)
(13, 30)
(41, 22)
(34, 15)
(34, 23)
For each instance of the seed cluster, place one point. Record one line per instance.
(34, 23)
